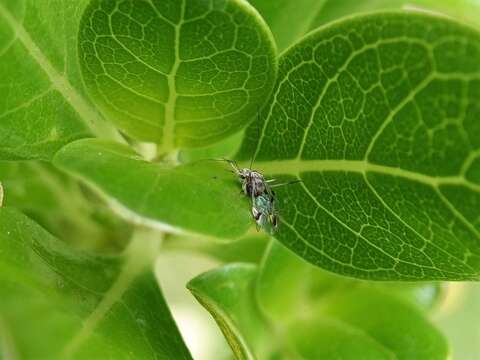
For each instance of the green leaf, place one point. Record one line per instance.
(62, 206)
(377, 115)
(290, 20)
(93, 307)
(42, 106)
(177, 73)
(227, 293)
(200, 198)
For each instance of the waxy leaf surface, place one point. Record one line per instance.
(57, 303)
(201, 198)
(378, 116)
(177, 72)
(42, 104)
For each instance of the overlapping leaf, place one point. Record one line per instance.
(57, 303)
(200, 198)
(177, 73)
(378, 115)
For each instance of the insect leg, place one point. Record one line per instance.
(257, 216)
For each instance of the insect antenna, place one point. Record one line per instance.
(286, 183)
(252, 159)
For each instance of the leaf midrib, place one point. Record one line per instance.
(296, 167)
(140, 254)
(168, 136)
(363, 167)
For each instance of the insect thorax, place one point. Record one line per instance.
(253, 183)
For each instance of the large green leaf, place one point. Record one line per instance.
(290, 20)
(378, 115)
(55, 303)
(178, 73)
(42, 106)
(199, 198)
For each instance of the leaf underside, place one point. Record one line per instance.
(200, 197)
(177, 73)
(378, 116)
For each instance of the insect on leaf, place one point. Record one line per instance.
(378, 116)
(200, 198)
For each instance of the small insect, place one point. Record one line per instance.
(253, 183)
(259, 190)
